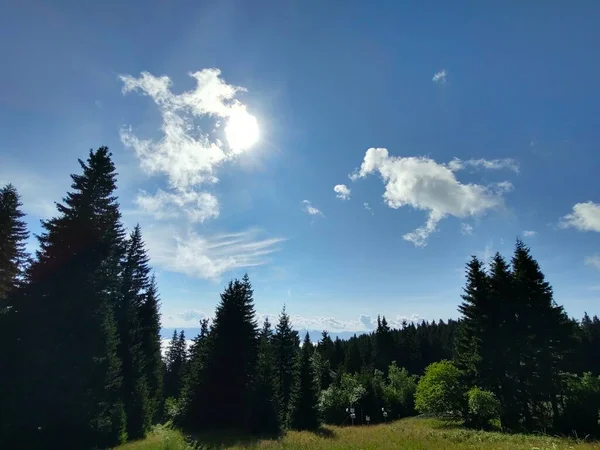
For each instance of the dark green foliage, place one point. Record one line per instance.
(266, 407)
(175, 365)
(440, 392)
(354, 361)
(70, 364)
(304, 413)
(384, 345)
(286, 349)
(581, 406)
(231, 360)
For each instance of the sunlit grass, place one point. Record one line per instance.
(406, 434)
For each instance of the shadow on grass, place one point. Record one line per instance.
(326, 433)
(224, 439)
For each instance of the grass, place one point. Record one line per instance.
(412, 433)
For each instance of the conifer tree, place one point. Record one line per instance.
(13, 234)
(304, 413)
(284, 342)
(134, 288)
(175, 365)
(71, 366)
(383, 345)
(353, 361)
(266, 407)
(150, 346)
(231, 360)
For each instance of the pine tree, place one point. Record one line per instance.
(150, 347)
(13, 234)
(353, 362)
(175, 365)
(70, 363)
(231, 360)
(195, 382)
(134, 288)
(383, 345)
(286, 350)
(266, 407)
(304, 413)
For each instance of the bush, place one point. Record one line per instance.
(399, 392)
(483, 407)
(335, 399)
(172, 409)
(581, 406)
(440, 392)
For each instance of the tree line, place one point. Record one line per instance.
(80, 327)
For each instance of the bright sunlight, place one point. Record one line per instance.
(242, 130)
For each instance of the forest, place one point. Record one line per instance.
(82, 365)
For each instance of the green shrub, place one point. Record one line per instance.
(440, 392)
(172, 409)
(399, 392)
(335, 399)
(483, 407)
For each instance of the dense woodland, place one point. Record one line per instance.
(82, 366)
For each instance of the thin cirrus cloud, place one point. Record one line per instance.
(342, 191)
(189, 156)
(310, 209)
(593, 261)
(490, 164)
(529, 233)
(466, 229)
(187, 252)
(440, 77)
(427, 185)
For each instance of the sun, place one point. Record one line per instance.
(242, 131)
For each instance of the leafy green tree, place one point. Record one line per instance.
(284, 343)
(399, 392)
(334, 400)
(266, 406)
(440, 391)
(305, 401)
(70, 363)
(483, 407)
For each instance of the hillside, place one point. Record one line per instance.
(412, 433)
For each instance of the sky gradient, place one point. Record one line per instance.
(393, 141)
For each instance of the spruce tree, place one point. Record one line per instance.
(304, 413)
(70, 365)
(383, 345)
(195, 382)
(231, 360)
(134, 288)
(286, 350)
(353, 362)
(175, 365)
(150, 347)
(13, 234)
(266, 407)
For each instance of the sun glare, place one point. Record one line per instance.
(242, 131)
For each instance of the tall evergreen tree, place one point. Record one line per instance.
(134, 288)
(70, 363)
(175, 365)
(13, 234)
(353, 362)
(150, 347)
(286, 350)
(304, 413)
(266, 405)
(231, 360)
(383, 345)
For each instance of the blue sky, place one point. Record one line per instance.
(449, 131)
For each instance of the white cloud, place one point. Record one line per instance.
(207, 257)
(366, 321)
(529, 233)
(440, 77)
(593, 261)
(585, 217)
(342, 191)
(424, 184)
(192, 315)
(466, 229)
(196, 206)
(366, 206)
(490, 164)
(310, 209)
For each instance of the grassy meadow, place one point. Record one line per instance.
(412, 433)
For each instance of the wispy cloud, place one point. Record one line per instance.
(490, 164)
(427, 185)
(529, 233)
(466, 229)
(342, 191)
(187, 252)
(593, 261)
(310, 209)
(440, 77)
(195, 206)
(585, 217)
